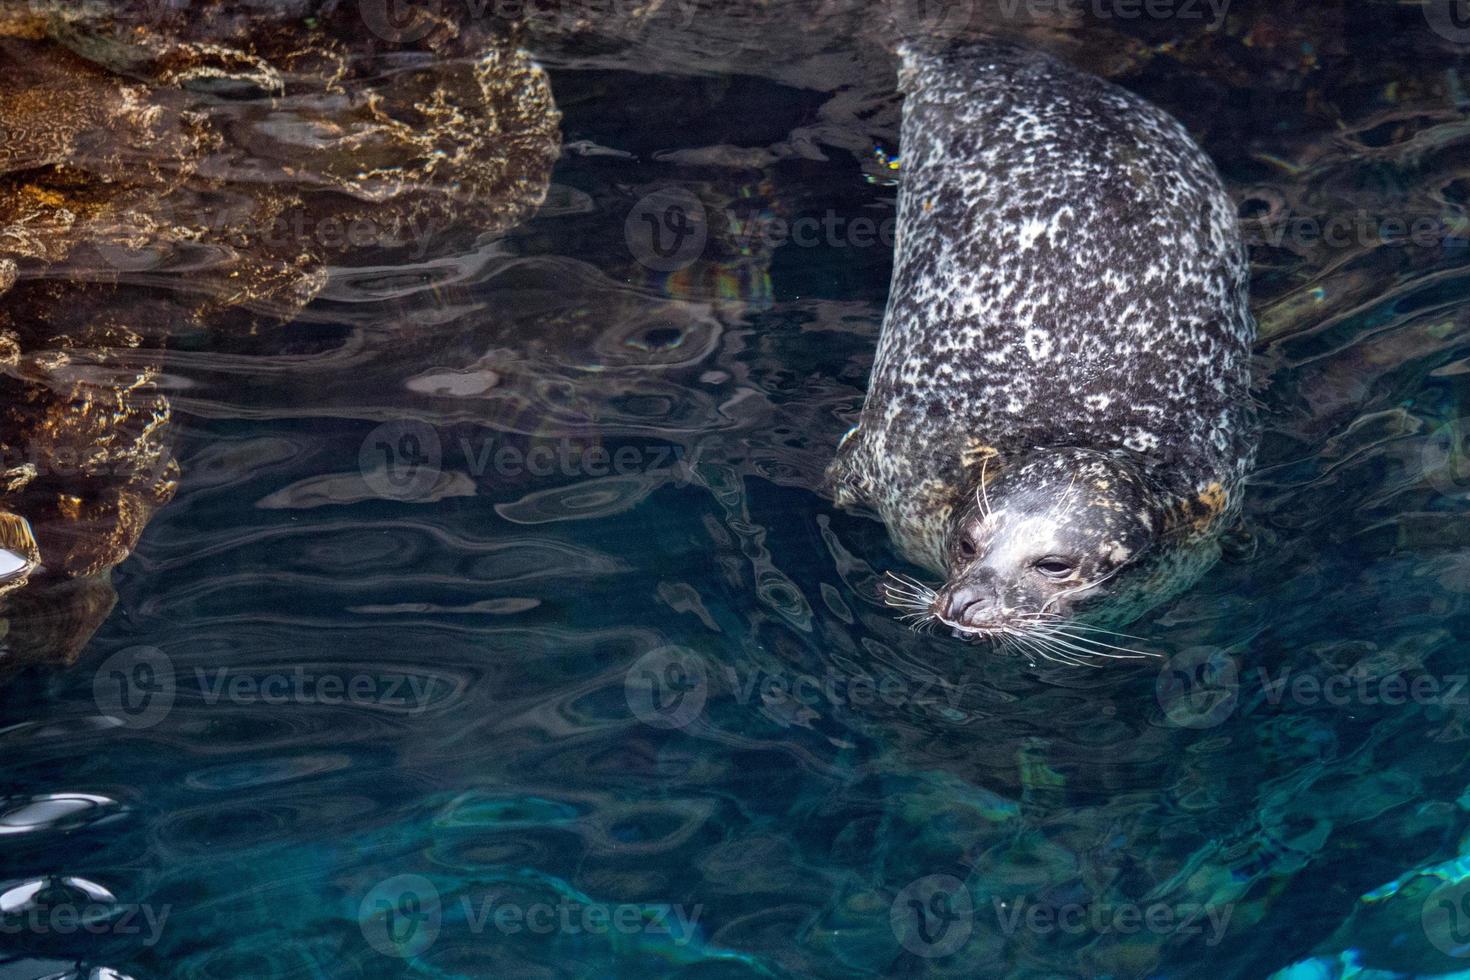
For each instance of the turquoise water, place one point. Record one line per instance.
(499, 628)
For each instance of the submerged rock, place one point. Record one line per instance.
(171, 170)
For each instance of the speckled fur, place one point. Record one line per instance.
(1069, 274)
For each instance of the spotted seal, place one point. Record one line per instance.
(1058, 419)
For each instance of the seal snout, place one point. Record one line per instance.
(971, 604)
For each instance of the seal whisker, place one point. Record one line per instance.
(1020, 643)
(983, 494)
(1024, 649)
(898, 600)
(1084, 642)
(909, 591)
(908, 581)
(924, 624)
(1103, 630)
(1048, 650)
(1081, 588)
(901, 592)
(1046, 619)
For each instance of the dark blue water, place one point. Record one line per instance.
(499, 627)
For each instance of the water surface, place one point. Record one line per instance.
(501, 580)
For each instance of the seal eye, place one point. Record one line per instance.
(967, 548)
(1053, 567)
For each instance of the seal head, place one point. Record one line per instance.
(1044, 539)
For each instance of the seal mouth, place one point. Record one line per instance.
(970, 631)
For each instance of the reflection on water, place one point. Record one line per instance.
(497, 627)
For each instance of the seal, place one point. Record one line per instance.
(1059, 418)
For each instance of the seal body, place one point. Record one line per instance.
(1069, 280)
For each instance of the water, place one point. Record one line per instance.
(498, 627)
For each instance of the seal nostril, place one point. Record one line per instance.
(970, 613)
(963, 602)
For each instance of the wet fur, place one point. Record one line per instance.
(1069, 275)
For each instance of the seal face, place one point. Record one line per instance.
(1058, 418)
